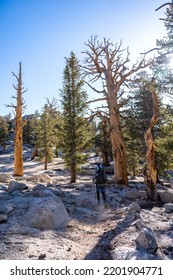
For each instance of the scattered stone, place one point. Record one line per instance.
(3, 218)
(14, 185)
(44, 178)
(146, 240)
(139, 224)
(128, 253)
(166, 195)
(6, 178)
(6, 208)
(133, 194)
(38, 193)
(39, 187)
(135, 206)
(3, 188)
(168, 207)
(42, 257)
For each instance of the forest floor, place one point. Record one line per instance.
(94, 232)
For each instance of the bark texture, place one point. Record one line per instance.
(150, 171)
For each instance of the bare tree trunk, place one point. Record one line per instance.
(118, 147)
(151, 171)
(18, 151)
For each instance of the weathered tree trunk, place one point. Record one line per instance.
(119, 153)
(150, 175)
(18, 151)
(118, 147)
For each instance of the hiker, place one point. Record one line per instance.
(100, 179)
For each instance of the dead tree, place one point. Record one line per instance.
(150, 172)
(19, 107)
(104, 62)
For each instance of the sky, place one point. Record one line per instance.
(41, 33)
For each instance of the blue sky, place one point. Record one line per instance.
(41, 33)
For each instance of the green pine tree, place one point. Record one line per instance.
(74, 133)
(46, 139)
(4, 131)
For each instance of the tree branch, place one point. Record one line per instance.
(25, 122)
(96, 100)
(168, 3)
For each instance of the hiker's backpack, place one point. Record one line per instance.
(100, 177)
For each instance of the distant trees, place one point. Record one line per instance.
(104, 62)
(4, 131)
(74, 132)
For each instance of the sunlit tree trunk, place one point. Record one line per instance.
(118, 147)
(151, 171)
(19, 107)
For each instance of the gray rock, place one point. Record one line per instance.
(168, 207)
(6, 178)
(44, 178)
(46, 213)
(39, 187)
(6, 208)
(14, 185)
(133, 194)
(42, 190)
(139, 224)
(128, 253)
(135, 206)
(3, 188)
(3, 218)
(38, 193)
(146, 240)
(166, 195)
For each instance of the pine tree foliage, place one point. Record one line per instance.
(163, 64)
(29, 131)
(164, 142)
(74, 133)
(46, 133)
